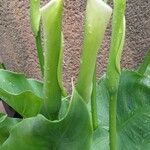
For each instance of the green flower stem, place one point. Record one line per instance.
(40, 51)
(112, 121)
(145, 65)
(97, 17)
(113, 68)
(52, 20)
(94, 104)
(113, 76)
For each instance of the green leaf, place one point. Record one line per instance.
(64, 108)
(98, 14)
(23, 95)
(145, 66)
(147, 72)
(73, 132)
(133, 113)
(52, 21)
(6, 124)
(101, 139)
(101, 134)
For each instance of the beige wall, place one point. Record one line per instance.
(17, 47)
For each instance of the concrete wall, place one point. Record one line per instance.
(17, 47)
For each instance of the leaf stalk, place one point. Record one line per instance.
(94, 104)
(113, 68)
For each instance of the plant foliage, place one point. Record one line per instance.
(111, 114)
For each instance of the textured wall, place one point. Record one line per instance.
(17, 47)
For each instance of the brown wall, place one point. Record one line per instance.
(17, 47)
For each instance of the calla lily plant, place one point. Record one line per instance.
(112, 113)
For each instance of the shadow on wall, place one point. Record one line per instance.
(17, 47)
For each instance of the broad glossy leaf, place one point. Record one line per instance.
(147, 72)
(101, 135)
(64, 108)
(73, 132)
(133, 113)
(6, 124)
(145, 66)
(23, 95)
(101, 139)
